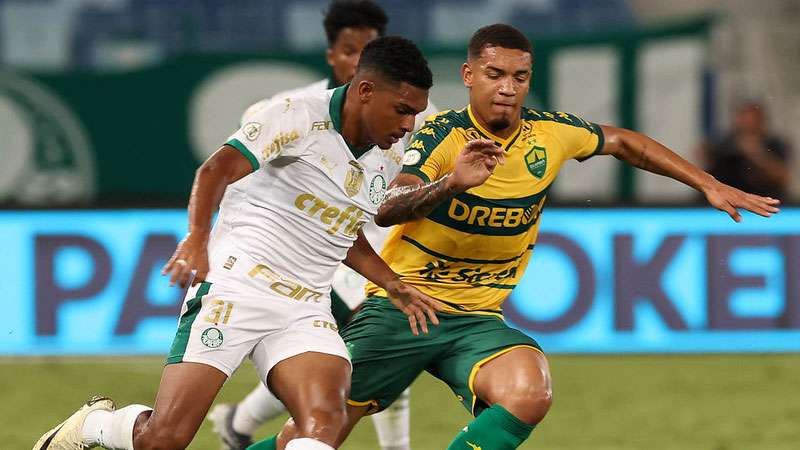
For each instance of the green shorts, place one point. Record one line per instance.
(387, 358)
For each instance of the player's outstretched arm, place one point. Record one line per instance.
(224, 167)
(414, 304)
(647, 154)
(409, 198)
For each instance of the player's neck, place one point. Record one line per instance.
(503, 133)
(352, 131)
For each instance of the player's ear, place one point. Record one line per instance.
(366, 89)
(466, 75)
(329, 56)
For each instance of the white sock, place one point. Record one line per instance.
(112, 429)
(307, 444)
(393, 423)
(259, 406)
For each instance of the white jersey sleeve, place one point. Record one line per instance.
(276, 130)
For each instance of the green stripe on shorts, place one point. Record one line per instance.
(193, 306)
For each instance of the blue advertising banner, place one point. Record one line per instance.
(600, 280)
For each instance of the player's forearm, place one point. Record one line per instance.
(211, 178)
(412, 202)
(362, 258)
(647, 154)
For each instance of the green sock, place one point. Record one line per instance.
(493, 429)
(266, 444)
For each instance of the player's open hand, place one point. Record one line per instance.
(191, 256)
(729, 199)
(476, 163)
(414, 304)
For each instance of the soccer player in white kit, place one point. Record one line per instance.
(316, 169)
(349, 26)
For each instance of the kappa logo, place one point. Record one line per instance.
(473, 446)
(211, 337)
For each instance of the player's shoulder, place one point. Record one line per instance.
(555, 118)
(437, 126)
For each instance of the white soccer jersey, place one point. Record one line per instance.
(301, 209)
(375, 235)
(349, 285)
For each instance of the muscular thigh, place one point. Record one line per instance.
(478, 340)
(386, 356)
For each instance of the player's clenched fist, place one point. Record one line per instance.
(475, 164)
(191, 255)
(414, 304)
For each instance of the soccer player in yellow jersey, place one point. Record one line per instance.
(468, 245)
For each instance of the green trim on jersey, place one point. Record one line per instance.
(181, 340)
(335, 110)
(466, 260)
(247, 153)
(567, 119)
(435, 130)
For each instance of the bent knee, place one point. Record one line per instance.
(528, 404)
(321, 422)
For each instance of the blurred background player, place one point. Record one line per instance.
(749, 156)
(349, 26)
(469, 247)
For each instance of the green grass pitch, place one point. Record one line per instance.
(608, 402)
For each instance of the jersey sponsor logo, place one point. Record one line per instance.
(411, 157)
(321, 125)
(536, 160)
(285, 287)
(377, 189)
(393, 155)
(325, 324)
(281, 140)
(354, 179)
(493, 217)
(212, 337)
(443, 271)
(251, 130)
(350, 218)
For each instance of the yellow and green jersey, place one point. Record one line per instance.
(472, 250)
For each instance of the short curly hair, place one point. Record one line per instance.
(353, 14)
(498, 35)
(396, 59)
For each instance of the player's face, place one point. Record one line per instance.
(389, 110)
(498, 83)
(343, 55)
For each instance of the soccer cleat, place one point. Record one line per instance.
(222, 419)
(68, 435)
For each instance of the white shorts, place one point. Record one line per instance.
(239, 316)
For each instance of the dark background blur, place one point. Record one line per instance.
(116, 102)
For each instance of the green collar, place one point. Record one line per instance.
(335, 110)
